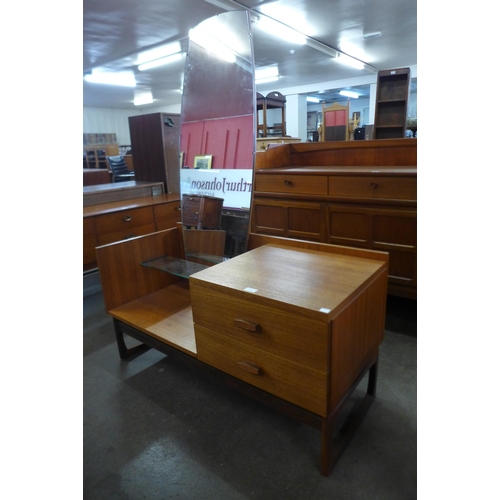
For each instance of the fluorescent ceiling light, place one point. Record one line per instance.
(143, 98)
(348, 93)
(266, 80)
(212, 44)
(282, 31)
(312, 99)
(160, 62)
(158, 52)
(266, 72)
(122, 79)
(350, 61)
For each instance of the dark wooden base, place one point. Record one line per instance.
(332, 446)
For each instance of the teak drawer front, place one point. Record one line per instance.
(286, 379)
(125, 234)
(396, 188)
(288, 335)
(293, 184)
(124, 220)
(167, 211)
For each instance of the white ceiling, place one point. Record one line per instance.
(115, 31)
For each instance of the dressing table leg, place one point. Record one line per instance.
(332, 451)
(124, 351)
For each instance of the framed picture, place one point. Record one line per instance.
(203, 162)
(312, 121)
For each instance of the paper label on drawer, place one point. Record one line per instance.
(250, 290)
(324, 310)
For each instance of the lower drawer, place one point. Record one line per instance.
(282, 377)
(125, 234)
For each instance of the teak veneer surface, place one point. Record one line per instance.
(315, 283)
(165, 315)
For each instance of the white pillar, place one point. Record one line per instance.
(296, 116)
(373, 100)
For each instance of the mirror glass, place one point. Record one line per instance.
(217, 138)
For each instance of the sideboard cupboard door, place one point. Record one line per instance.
(301, 220)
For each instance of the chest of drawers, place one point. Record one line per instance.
(274, 328)
(202, 212)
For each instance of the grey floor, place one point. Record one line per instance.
(156, 429)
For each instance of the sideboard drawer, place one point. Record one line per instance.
(395, 188)
(167, 211)
(294, 184)
(124, 220)
(125, 234)
(283, 333)
(282, 377)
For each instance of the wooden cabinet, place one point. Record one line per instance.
(372, 207)
(202, 212)
(95, 156)
(155, 148)
(393, 87)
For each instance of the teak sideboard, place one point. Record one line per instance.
(114, 212)
(294, 324)
(356, 193)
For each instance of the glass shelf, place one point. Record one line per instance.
(173, 265)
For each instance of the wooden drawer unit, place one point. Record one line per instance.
(293, 184)
(280, 376)
(373, 187)
(278, 331)
(202, 212)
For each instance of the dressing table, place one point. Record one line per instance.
(294, 324)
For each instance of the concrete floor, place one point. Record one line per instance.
(156, 429)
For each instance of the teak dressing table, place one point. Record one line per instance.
(294, 324)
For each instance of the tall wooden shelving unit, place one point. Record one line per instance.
(391, 105)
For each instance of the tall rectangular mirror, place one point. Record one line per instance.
(217, 137)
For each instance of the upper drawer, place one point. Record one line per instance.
(294, 382)
(295, 184)
(124, 219)
(167, 211)
(395, 188)
(283, 333)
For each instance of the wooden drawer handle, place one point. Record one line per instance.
(127, 218)
(288, 183)
(249, 367)
(178, 207)
(374, 185)
(246, 325)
